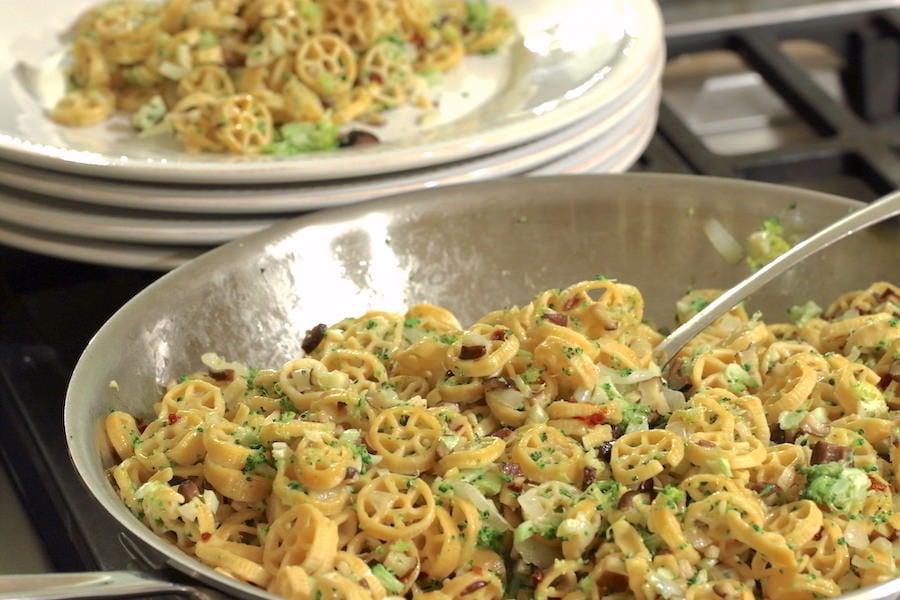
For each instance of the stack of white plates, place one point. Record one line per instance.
(577, 92)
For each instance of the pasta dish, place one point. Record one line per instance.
(539, 453)
(267, 76)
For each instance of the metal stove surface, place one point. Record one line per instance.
(693, 16)
(804, 93)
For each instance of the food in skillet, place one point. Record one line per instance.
(270, 76)
(539, 453)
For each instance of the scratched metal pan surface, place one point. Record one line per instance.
(471, 248)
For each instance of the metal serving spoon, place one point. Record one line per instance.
(885, 207)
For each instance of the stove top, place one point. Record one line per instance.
(799, 93)
(802, 93)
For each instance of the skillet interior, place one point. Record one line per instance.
(470, 248)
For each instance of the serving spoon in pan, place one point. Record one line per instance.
(879, 210)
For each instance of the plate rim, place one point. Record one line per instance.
(110, 254)
(168, 258)
(283, 198)
(642, 44)
(77, 220)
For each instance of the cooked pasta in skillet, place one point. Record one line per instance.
(539, 453)
(227, 75)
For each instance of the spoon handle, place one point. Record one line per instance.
(98, 584)
(875, 212)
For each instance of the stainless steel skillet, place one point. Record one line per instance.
(471, 248)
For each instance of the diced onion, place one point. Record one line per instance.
(492, 518)
(577, 527)
(678, 428)
(535, 553)
(188, 511)
(148, 488)
(856, 534)
(664, 583)
(172, 71)
(581, 395)
(536, 413)
(509, 397)
(631, 376)
(326, 496)
(218, 363)
(722, 240)
(674, 398)
(280, 451)
(534, 502)
(474, 338)
(211, 500)
(640, 424)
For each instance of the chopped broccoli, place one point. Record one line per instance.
(362, 451)
(488, 481)
(493, 539)
(351, 436)
(431, 77)
(841, 489)
(387, 579)
(720, 466)
(789, 420)
(311, 12)
(871, 400)
(299, 137)
(801, 313)
(450, 441)
(765, 245)
(739, 380)
(606, 492)
(393, 39)
(689, 306)
(150, 114)
(674, 497)
(633, 413)
(208, 39)
(578, 527)
(527, 529)
(478, 15)
(253, 461)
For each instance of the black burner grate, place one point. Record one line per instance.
(858, 138)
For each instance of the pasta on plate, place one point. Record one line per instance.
(539, 453)
(226, 76)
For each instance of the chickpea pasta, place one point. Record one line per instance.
(403, 455)
(227, 76)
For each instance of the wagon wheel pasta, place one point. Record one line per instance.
(326, 64)
(538, 453)
(84, 107)
(322, 63)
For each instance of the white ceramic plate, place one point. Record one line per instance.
(591, 159)
(573, 58)
(112, 254)
(607, 158)
(71, 218)
(292, 198)
(65, 217)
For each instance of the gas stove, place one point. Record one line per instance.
(801, 93)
